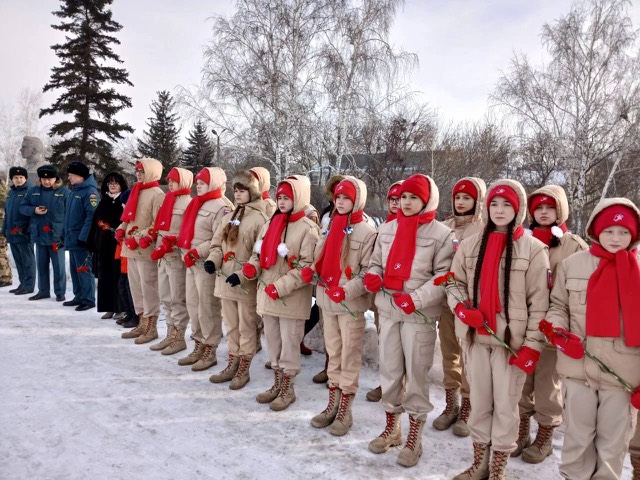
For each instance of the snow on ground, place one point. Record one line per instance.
(80, 402)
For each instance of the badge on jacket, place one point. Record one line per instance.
(456, 244)
(93, 200)
(549, 279)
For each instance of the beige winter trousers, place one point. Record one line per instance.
(283, 337)
(496, 388)
(241, 322)
(634, 445)
(343, 342)
(406, 349)
(171, 283)
(143, 282)
(204, 308)
(600, 424)
(452, 364)
(542, 391)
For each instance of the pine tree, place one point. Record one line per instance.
(87, 79)
(200, 151)
(161, 141)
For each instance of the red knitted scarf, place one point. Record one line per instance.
(328, 265)
(188, 227)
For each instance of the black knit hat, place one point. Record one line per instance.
(13, 171)
(47, 171)
(78, 168)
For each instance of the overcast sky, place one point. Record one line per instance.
(461, 44)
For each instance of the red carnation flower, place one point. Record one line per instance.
(292, 262)
(133, 230)
(15, 230)
(229, 256)
(348, 272)
(46, 228)
(83, 268)
(446, 278)
(55, 247)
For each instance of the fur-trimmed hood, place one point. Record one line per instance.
(559, 195)
(606, 203)
(104, 186)
(331, 184)
(245, 180)
(522, 197)
(434, 194)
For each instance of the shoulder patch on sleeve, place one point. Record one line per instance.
(549, 279)
(93, 200)
(456, 244)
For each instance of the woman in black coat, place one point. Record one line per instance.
(103, 244)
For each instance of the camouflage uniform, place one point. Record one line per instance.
(5, 269)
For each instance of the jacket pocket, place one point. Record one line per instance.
(424, 346)
(620, 347)
(577, 290)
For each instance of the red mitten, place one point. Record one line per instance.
(404, 301)
(307, 274)
(145, 241)
(336, 294)
(635, 398)
(249, 271)
(271, 291)
(131, 243)
(469, 316)
(119, 235)
(158, 253)
(526, 360)
(372, 282)
(191, 257)
(568, 343)
(169, 240)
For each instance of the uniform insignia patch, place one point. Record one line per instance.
(549, 279)
(456, 244)
(93, 200)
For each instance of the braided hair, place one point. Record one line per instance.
(230, 231)
(491, 227)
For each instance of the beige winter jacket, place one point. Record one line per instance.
(149, 202)
(568, 310)
(301, 238)
(361, 242)
(465, 226)
(570, 243)
(264, 179)
(210, 215)
(253, 220)
(434, 251)
(186, 180)
(528, 284)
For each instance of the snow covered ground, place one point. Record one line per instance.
(79, 402)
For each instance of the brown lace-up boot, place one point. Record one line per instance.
(541, 447)
(271, 394)
(412, 450)
(374, 395)
(150, 332)
(479, 469)
(229, 371)
(635, 463)
(287, 393)
(498, 467)
(207, 360)
(451, 410)
(524, 440)
(136, 332)
(328, 415)
(241, 378)
(391, 437)
(194, 356)
(461, 427)
(177, 343)
(344, 418)
(161, 345)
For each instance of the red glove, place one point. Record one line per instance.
(119, 235)
(336, 294)
(271, 291)
(635, 398)
(469, 316)
(145, 241)
(568, 343)
(372, 282)
(131, 243)
(169, 241)
(249, 271)
(526, 360)
(404, 301)
(158, 253)
(190, 258)
(307, 274)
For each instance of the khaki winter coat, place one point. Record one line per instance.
(568, 310)
(254, 218)
(570, 243)
(465, 226)
(528, 284)
(180, 205)
(301, 238)
(210, 215)
(149, 202)
(361, 242)
(264, 180)
(434, 252)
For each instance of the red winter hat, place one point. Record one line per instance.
(345, 187)
(465, 186)
(139, 166)
(394, 191)
(418, 185)
(285, 188)
(174, 175)
(506, 192)
(616, 215)
(541, 199)
(204, 175)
